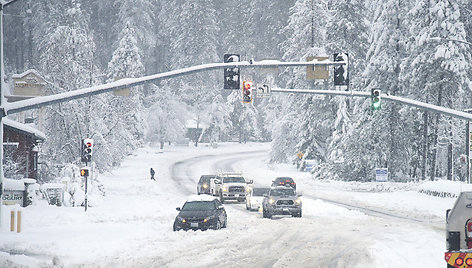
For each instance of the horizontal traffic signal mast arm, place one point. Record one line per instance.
(414, 103)
(23, 105)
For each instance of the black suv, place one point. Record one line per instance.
(201, 212)
(284, 181)
(203, 185)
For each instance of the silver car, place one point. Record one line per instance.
(282, 201)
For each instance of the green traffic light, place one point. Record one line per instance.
(376, 105)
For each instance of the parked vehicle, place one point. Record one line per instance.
(281, 200)
(203, 185)
(201, 212)
(255, 197)
(459, 232)
(231, 186)
(284, 181)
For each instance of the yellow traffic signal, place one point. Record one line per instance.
(84, 172)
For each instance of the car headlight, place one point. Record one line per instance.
(298, 201)
(248, 189)
(224, 189)
(205, 186)
(271, 201)
(209, 218)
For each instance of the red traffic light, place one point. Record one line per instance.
(247, 87)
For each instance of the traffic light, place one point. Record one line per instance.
(231, 74)
(84, 172)
(87, 150)
(341, 74)
(375, 96)
(247, 91)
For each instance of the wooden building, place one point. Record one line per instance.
(21, 147)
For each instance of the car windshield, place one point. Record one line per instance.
(200, 205)
(260, 191)
(204, 180)
(233, 179)
(279, 192)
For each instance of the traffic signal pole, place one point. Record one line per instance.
(34, 103)
(409, 102)
(37, 102)
(2, 104)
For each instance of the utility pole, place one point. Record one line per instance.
(2, 104)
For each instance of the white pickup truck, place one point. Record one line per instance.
(230, 186)
(459, 232)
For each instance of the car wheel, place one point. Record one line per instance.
(175, 228)
(218, 225)
(222, 200)
(247, 207)
(298, 215)
(225, 223)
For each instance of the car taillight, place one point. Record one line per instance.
(468, 233)
(281, 182)
(293, 183)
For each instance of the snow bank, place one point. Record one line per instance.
(444, 188)
(14, 185)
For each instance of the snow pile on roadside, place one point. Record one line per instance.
(444, 188)
(373, 186)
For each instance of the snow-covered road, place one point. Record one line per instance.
(132, 225)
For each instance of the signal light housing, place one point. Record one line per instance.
(375, 96)
(84, 172)
(87, 150)
(247, 91)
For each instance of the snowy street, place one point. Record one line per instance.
(132, 225)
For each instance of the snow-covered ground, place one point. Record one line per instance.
(343, 224)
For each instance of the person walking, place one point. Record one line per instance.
(152, 174)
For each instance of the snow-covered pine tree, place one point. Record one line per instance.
(125, 116)
(346, 31)
(436, 71)
(65, 59)
(384, 58)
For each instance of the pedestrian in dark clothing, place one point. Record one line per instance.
(152, 174)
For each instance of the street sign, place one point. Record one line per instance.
(381, 174)
(317, 72)
(263, 91)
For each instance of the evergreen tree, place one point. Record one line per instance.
(127, 122)
(66, 59)
(436, 71)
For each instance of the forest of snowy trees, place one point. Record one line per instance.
(79, 43)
